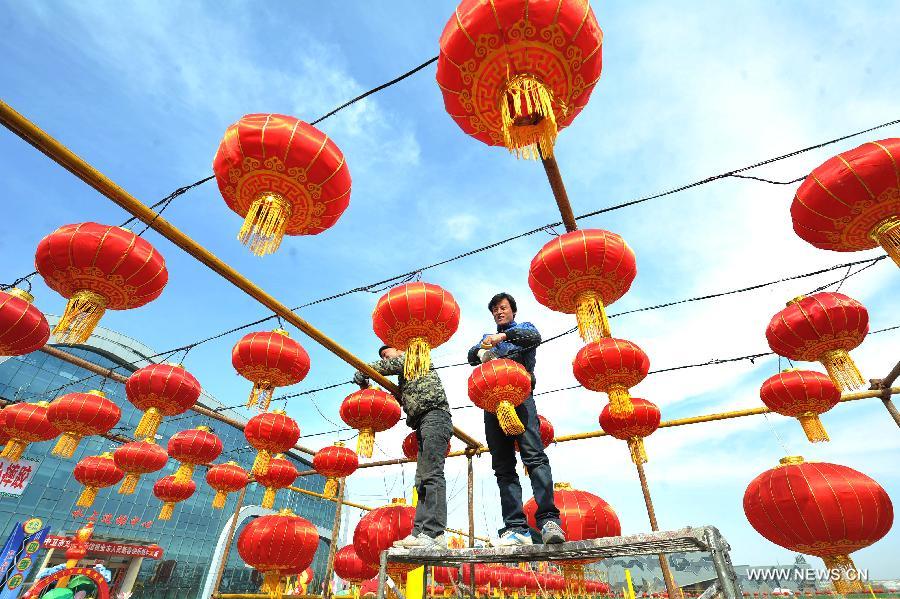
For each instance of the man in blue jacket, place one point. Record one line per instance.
(518, 341)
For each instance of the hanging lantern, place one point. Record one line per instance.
(482, 575)
(498, 386)
(269, 360)
(23, 328)
(350, 567)
(820, 509)
(95, 472)
(582, 273)
(445, 575)
(822, 327)
(280, 474)
(369, 411)
(136, 459)
(379, 529)
(226, 478)
(160, 390)
(514, 74)
(25, 423)
(801, 394)
(851, 202)
(283, 176)
(416, 318)
(612, 366)
(410, 446)
(642, 422)
(269, 433)
(278, 545)
(4, 438)
(80, 415)
(170, 491)
(98, 267)
(191, 447)
(335, 462)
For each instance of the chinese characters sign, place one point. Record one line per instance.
(14, 477)
(150, 551)
(110, 519)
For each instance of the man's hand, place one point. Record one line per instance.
(493, 340)
(360, 379)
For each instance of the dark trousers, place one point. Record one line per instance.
(503, 460)
(433, 435)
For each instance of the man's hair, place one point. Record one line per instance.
(382, 348)
(499, 298)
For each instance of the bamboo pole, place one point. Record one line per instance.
(884, 386)
(232, 528)
(654, 526)
(554, 177)
(335, 529)
(471, 498)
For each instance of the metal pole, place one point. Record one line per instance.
(718, 549)
(654, 526)
(231, 530)
(551, 168)
(335, 529)
(382, 575)
(471, 489)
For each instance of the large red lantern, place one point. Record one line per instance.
(270, 433)
(801, 394)
(95, 472)
(269, 360)
(349, 566)
(25, 423)
(98, 267)
(335, 462)
(136, 459)
(612, 366)
(820, 509)
(80, 415)
(278, 545)
(284, 176)
(226, 478)
(160, 390)
(280, 474)
(498, 386)
(410, 446)
(380, 528)
(514, 72)
(415, 318)
(369, 411)
(851, 202)
(642, 422)
(170, 491)
(482, 575)
(191, 447)
(822, 327)
(445, 575)
(23, 328)
(581, 273)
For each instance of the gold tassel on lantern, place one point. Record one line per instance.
(271, 584)
(887, 234)
(265, 223)
(261, 463)
(418, 358)
(508, 419)
(638, 453)
(590, 313)
(219, 500)
(619, 401)
(529, 122)
(129, 484)
(167, 510)
(87, 497)
(365, 442)
(150, 421)
(813, 428)
(81, 316)
(14, 450)
(269, 497)
(331, 487)
(574, 575)
(261, 394)
(849, 579)
(184, 473)
(66, 445)
(842, 370)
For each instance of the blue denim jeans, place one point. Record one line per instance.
(433, 434)
(503, 460)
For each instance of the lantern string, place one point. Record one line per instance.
(777, 436)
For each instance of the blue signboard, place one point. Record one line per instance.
(18, 555)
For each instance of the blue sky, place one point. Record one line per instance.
(144, 92)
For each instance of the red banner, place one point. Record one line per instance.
(150, 551)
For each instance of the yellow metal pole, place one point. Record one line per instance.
(628, 583)
(415, 580)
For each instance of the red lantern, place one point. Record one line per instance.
(349, 566)
(23, 328)
(642, 422)
(380, 528)
(80, 415)
(444, 575)
(801, 394)
(482, 575)
(280, 474)
(369, 411)
(191, 447)
(226, 478)
(612, 366)
(270, 432)
(269, 360)
(411, 446)
(515, 73)
(823, 327)
(851, 202)
(820, 509)
(170, 491)
(415, 318)
(136, 459)
(284, 176)
(278, 545)
(335, 462)
(25, 423)
(95, 472)
(581, 273)
(98, 267)
(160, 390)
(498, 386)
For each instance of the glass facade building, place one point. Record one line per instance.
(189, 538)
